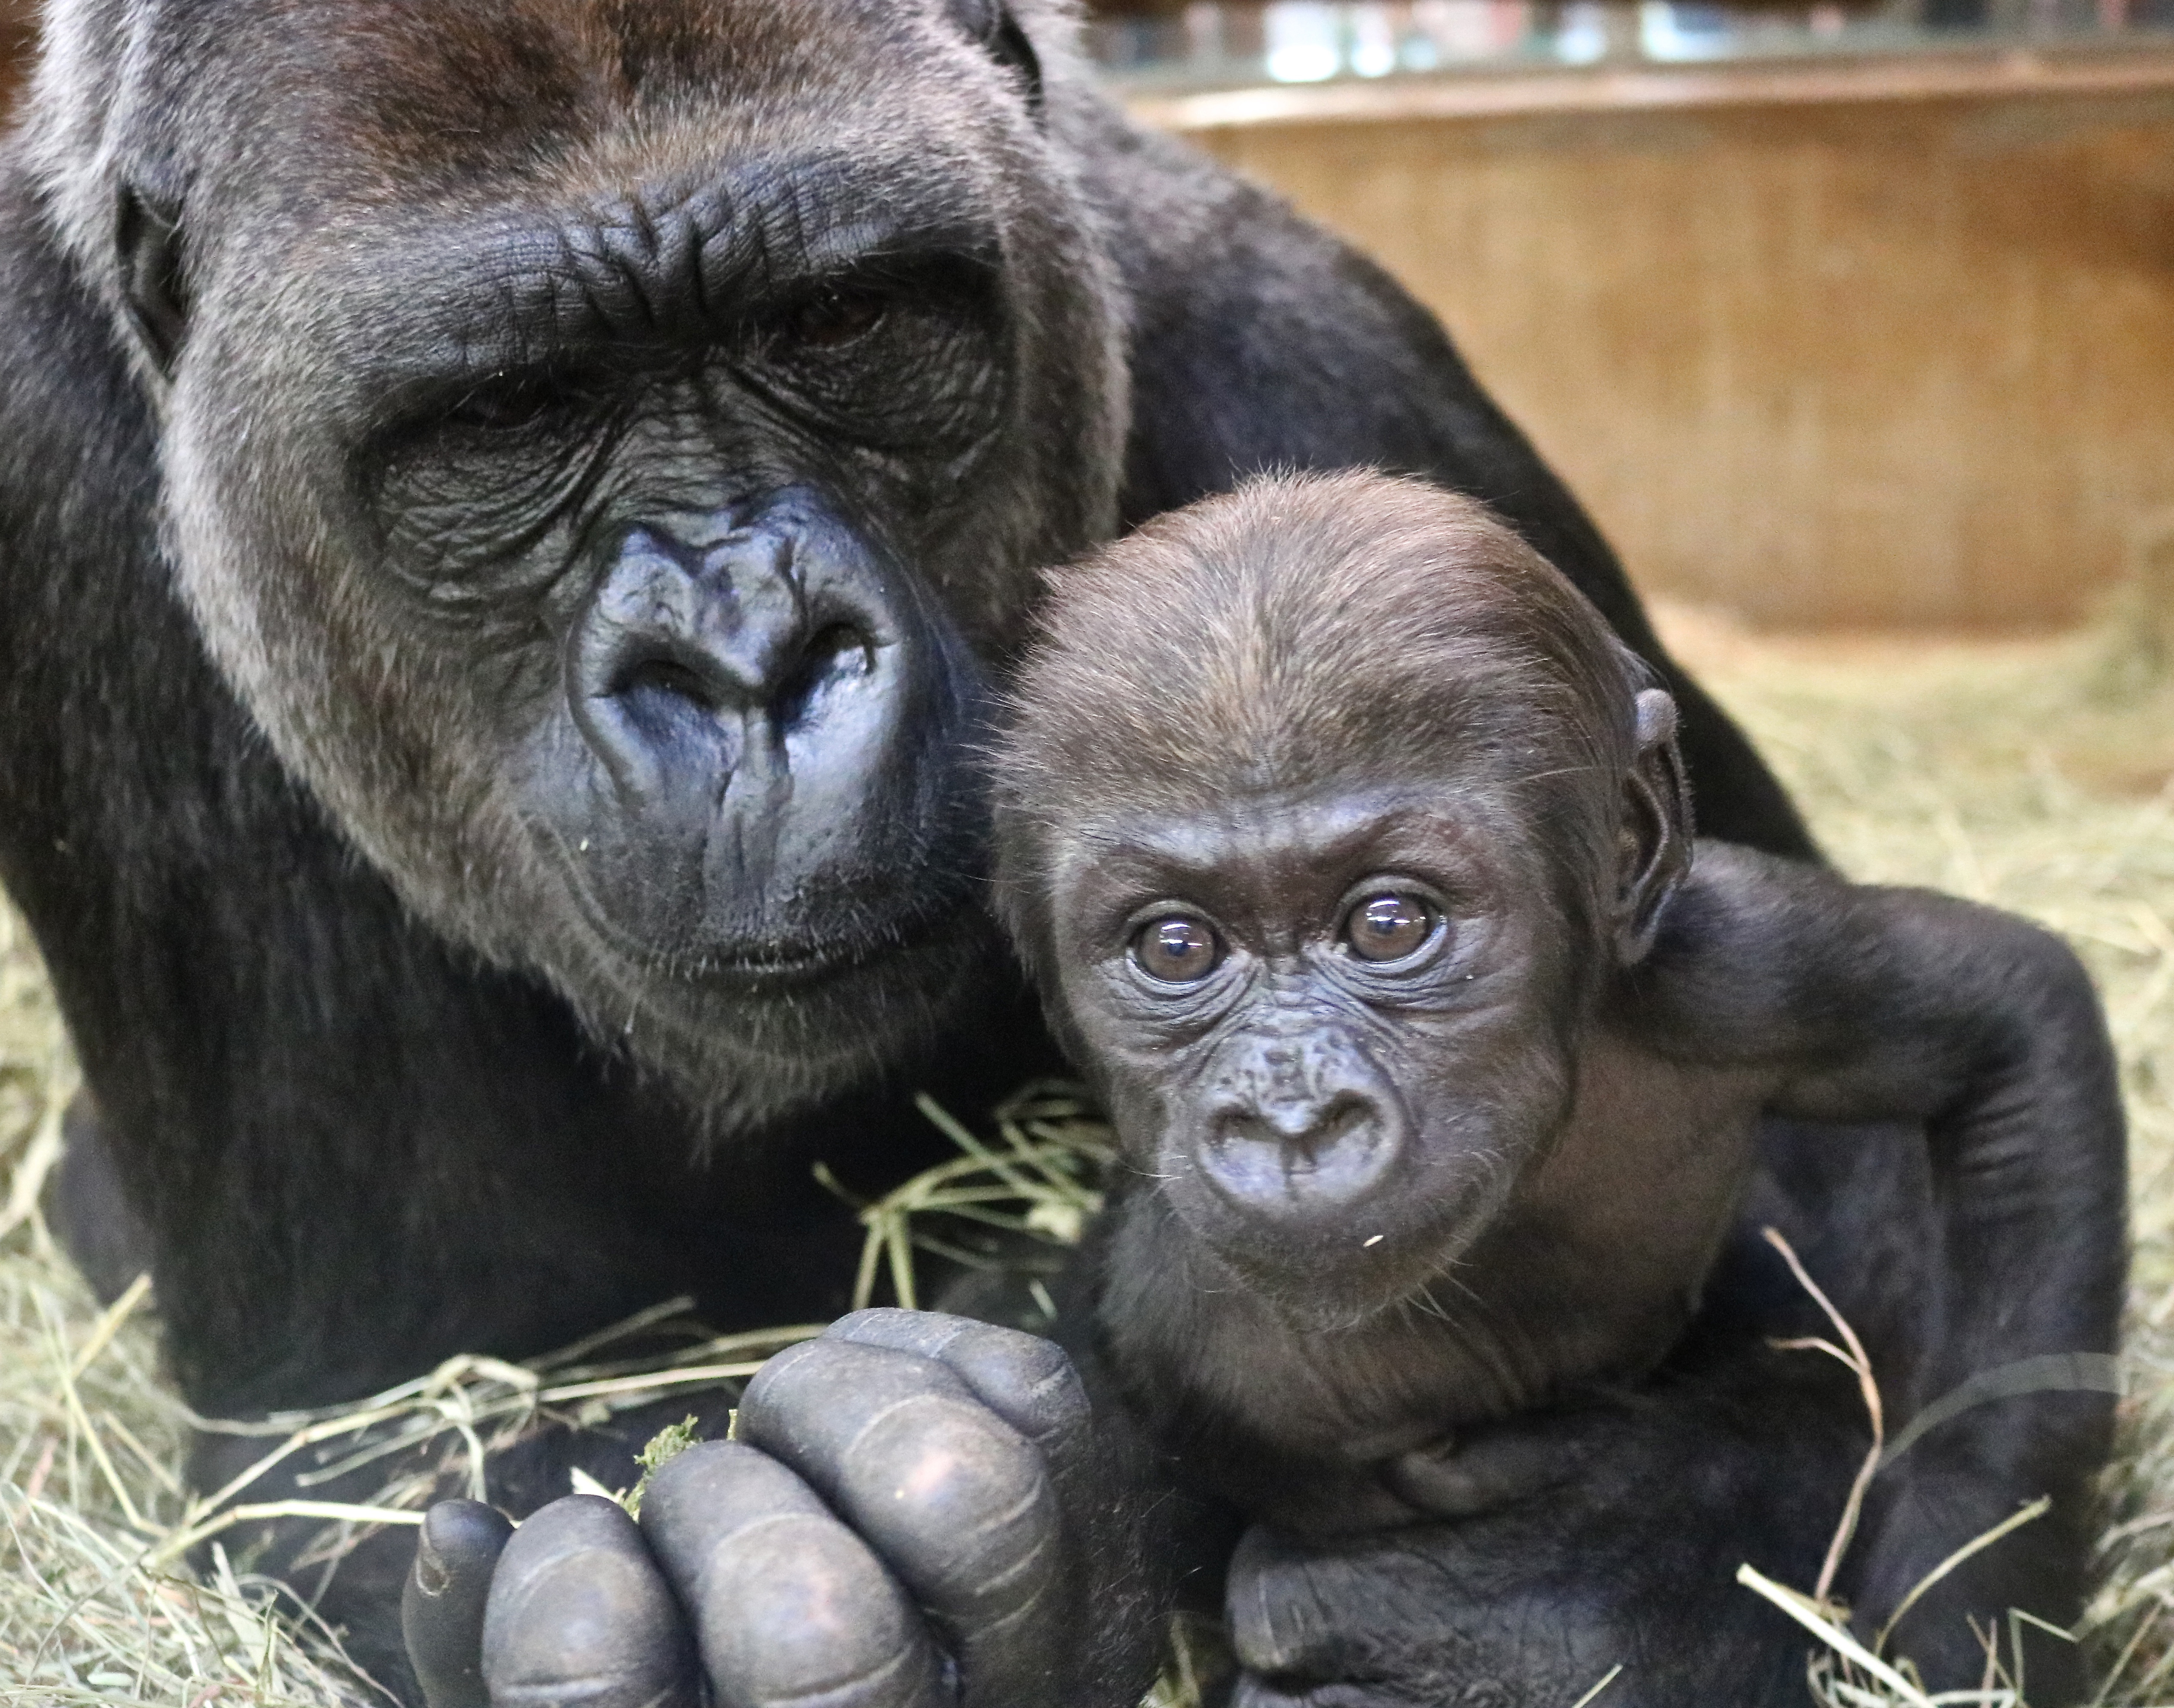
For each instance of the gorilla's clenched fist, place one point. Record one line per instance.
(919, 1511)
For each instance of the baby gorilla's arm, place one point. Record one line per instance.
(1871, 1004)
(1874, 1004)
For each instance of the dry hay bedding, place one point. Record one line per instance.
(2038, 777)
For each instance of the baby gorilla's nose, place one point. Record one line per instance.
(1294, 1158)
(1302, 1125)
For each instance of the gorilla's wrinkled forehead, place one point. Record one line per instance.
(567, 88)
(398, 97)
(495, 179)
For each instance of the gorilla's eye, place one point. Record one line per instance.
(834, 317)
(1389, 926)
(505, 403)
(1177, 948)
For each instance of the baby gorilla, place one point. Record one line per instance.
(1358, 875)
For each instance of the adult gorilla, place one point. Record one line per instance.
(505, 514)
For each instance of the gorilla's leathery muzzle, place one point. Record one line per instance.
(767, 724)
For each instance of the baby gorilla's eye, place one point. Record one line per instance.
(1389, 926)
(1177, 949)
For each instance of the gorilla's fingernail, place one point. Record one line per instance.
(432, 1574)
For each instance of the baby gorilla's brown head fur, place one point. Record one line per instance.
(1326, 809)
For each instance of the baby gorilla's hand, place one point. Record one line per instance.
(912, 1515)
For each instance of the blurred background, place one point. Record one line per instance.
(1837, 315)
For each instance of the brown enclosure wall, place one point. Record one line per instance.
(17, 34)
(1909, 362)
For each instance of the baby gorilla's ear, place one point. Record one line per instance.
(1656, 837)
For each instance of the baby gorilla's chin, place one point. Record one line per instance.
(1319, 1262)
(1318, 1281)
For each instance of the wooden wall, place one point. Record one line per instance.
(1861, 364)
(18, 28)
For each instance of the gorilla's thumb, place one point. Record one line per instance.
(441, 1607)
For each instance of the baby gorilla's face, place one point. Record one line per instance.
(1333, 1027)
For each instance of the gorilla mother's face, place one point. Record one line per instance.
(606, 446)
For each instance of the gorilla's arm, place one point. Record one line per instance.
(1260, 341)
(1984, 1033)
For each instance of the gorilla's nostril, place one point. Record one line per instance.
(668, 677)
(835, 653)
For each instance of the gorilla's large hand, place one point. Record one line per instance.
(918, 1511)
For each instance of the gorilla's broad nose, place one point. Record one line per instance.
(708, 647)
(764, 715)
(1300, 1121)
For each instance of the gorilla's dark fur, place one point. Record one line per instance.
(506, 511)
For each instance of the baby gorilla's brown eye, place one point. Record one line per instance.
(1177, 949)
(1389, 926)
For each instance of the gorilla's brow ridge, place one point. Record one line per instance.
(501, 290)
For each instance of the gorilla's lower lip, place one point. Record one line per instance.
(1329, 1280)
(775, 966)
(805, 966)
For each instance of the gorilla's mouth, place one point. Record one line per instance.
(1341, 1273)
(773, 964)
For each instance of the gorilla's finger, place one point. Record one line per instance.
(442, 1604)
(1280, 1621)
(579, 1613)
(1459, 1479)
(956, 1501)
(790, 1606)
(1025, 1380)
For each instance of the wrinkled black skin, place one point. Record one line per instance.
(352, 1147)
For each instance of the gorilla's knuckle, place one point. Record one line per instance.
(799, 1609)
(1032, 1378)
(963, 1442)
(892, 1325)
(788, 1369)
(813, 1565)
(577, 1622)
(688, 1475)
(936, 1465)
(900, 1678)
